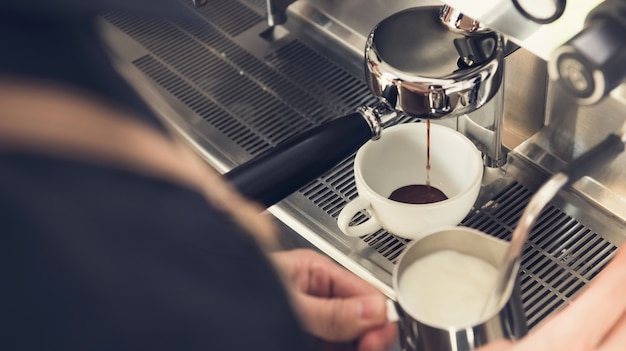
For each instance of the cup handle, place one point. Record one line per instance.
(353, 207)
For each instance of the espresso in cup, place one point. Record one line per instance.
(417, 194)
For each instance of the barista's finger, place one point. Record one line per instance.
(590, 317)
(318, 275)
(341, 319)
(327, 278)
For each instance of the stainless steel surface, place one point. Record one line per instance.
(419, 332)
(435, 73)
(569, 131)
(336, 20)
(459, 22)
(276, 11)
(199, 3)
(236, 91)
(540, 39)
(583, 43)
(485, 128)
(440, 72)
(378, 116)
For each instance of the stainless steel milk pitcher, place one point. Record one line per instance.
(506, 320)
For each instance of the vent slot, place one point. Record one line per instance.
(329, 84)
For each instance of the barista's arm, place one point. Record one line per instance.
(596, 320)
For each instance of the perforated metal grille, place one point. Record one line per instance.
(560, 258)
(233, 17)
(202, 66)
(259, 102)
(319, 77)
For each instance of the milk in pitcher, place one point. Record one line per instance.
(447, 288)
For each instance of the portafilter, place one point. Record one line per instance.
(417, 65)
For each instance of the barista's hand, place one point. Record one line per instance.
(334, 305)
(595, 321)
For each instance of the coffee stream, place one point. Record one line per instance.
(427, 152)
(420, 193)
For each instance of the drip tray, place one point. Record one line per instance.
(236, 94)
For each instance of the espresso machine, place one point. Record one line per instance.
(243, 78)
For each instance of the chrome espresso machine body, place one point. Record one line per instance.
(246, 75)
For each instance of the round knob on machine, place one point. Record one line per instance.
(591, 64)
(540, 11)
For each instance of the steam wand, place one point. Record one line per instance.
(602, 153)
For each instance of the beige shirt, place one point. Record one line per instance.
(55, 120)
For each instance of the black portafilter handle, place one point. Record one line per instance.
(282, 170)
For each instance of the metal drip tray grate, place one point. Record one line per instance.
(250, 95)
(560, 257)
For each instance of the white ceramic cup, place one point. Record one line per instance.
(398, 159)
